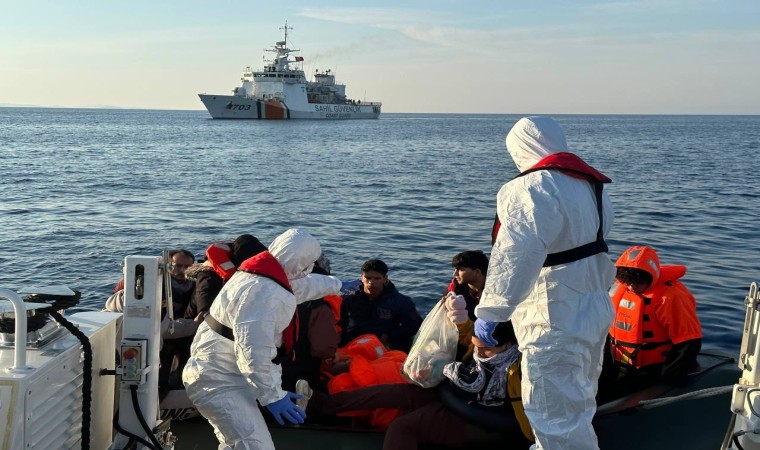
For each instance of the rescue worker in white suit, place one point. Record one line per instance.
(550, 274)
(232, 363)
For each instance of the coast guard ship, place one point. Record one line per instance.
(281, 91)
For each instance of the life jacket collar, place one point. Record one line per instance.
(219, 256)
(266, 265)
(570, 164)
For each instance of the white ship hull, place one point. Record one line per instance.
(235, 107)
(281, 90)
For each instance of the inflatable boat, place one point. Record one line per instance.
(62, 388)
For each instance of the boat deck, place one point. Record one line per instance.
(694, 423)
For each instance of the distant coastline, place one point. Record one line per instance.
(124, 108)
(14, 105)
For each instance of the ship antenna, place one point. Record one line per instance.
(286, 28)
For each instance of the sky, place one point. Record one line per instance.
(438, 56)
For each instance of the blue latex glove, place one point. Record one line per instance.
(484, 331)
(284, 408)
(351, 286)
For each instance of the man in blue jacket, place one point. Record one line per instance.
(379, 308)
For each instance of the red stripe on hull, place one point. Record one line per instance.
(274, 110)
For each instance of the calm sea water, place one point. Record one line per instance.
(81, 189)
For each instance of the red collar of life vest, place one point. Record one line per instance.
(570, 164)
(266, 265)
(219, 255)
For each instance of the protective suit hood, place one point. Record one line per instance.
(295, 250)
(533, 138)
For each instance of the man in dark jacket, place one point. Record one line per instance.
(379, 308)
(208, 282)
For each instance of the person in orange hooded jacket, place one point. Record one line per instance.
(656, 335)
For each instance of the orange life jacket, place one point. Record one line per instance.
(367, 346)
(362, 373)
(219, 255)
(371, 364)
(335, 301)
(636, 338)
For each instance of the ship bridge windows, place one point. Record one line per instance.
(276, 75)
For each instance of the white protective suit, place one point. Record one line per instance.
(561, 313)
(224, 379)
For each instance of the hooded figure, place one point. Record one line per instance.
(561, 311)
(656, 327)
(226, 377)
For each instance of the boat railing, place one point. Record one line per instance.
(19, 338)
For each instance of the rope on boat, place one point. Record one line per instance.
(86, 374)
(703, 393)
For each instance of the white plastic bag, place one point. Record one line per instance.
(434, 346)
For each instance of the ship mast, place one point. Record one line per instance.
(286, 28)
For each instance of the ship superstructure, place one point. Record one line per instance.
(282, 91)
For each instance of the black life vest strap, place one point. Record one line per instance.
(643, 346)
(633, 353)
(226, 331)
(585, 250)
(215, 325)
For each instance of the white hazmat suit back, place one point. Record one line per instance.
(561, 313)
(225, 378)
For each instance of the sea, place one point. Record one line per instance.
(83, 188)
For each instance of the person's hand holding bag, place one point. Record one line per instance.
(435, 345)
(456, 308)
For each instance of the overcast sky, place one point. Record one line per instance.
(442, 56)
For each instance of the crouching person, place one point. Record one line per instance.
(231, 365)
(479, 402)
(318, 337)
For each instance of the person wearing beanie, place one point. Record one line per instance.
(656, 335)
(243, 247)
(208, 281)
(379, 308)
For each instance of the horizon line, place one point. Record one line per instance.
(126, 108)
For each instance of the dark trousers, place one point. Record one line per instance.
(173, 356)
(427, 421)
